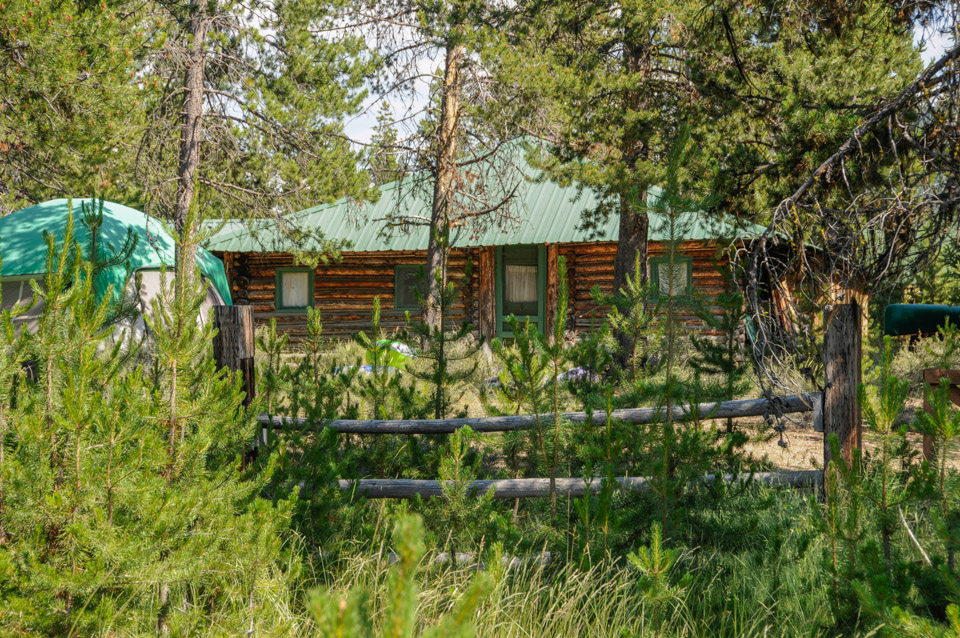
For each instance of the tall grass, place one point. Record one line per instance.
(751, 567)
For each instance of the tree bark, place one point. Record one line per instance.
(438, 247)
(634, 223)
(191, 119)
(634, 230)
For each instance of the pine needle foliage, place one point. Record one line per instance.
(123, 507)
(450, 356)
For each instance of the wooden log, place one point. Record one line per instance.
(487, 293)
(706, 411)
(539, 487)
(553, 287)
(842, 370)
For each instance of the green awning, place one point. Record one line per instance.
(24, 251)
(911, 319)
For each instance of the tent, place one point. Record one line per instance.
(24, 252)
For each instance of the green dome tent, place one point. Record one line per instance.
(24, 252)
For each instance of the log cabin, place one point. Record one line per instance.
(514, 266)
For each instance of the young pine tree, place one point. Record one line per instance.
(124, 510)
(718, 363)
(451, 356)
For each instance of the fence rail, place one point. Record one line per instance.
(539, 487)
(791, 404)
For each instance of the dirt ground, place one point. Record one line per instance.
(803, 448)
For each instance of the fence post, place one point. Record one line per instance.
(842, 356)
(234, 348)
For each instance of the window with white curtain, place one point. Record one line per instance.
(295, 289)
(679, 284)
(521, 281)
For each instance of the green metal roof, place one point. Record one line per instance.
(24, 251)
(542, 212)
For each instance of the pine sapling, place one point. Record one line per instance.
(881, 407)
(655, 564)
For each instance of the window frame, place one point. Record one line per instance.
(540, 318)
(278, 289)
(654, 274)
(398, 271)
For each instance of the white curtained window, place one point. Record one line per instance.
(679, 282)
(521, 283)
(295, 289)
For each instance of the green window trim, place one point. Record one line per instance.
(399, 272)
(540, 318)
(655, 274)
(278, 290)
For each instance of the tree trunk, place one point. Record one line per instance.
(438, 246)
(634, 223)
(190, 132)
(634, 229)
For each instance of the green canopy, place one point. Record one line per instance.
(24, 252)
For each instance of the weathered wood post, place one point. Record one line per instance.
(234, 348)
(842, 356)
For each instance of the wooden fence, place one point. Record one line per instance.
(705, 411)
(837, 411)
(573, 487)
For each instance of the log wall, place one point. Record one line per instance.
(344, 291)
(591, 264)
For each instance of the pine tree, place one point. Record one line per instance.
(719, 364)
(71, 102)
(349, 615)
(124, 510)
(385, 161)
(245, 113)
(451, 356)
(458, 149)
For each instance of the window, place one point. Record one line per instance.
(17, 290)
(682, 281)
(405, 287)
(294, 289)
(521, 284)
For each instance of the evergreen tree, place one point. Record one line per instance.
(719, 363)
(385, 161)
(246, 112)
(71, 102)
(450, 356)
(458, 148)
(610, 84)
(124, 510)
